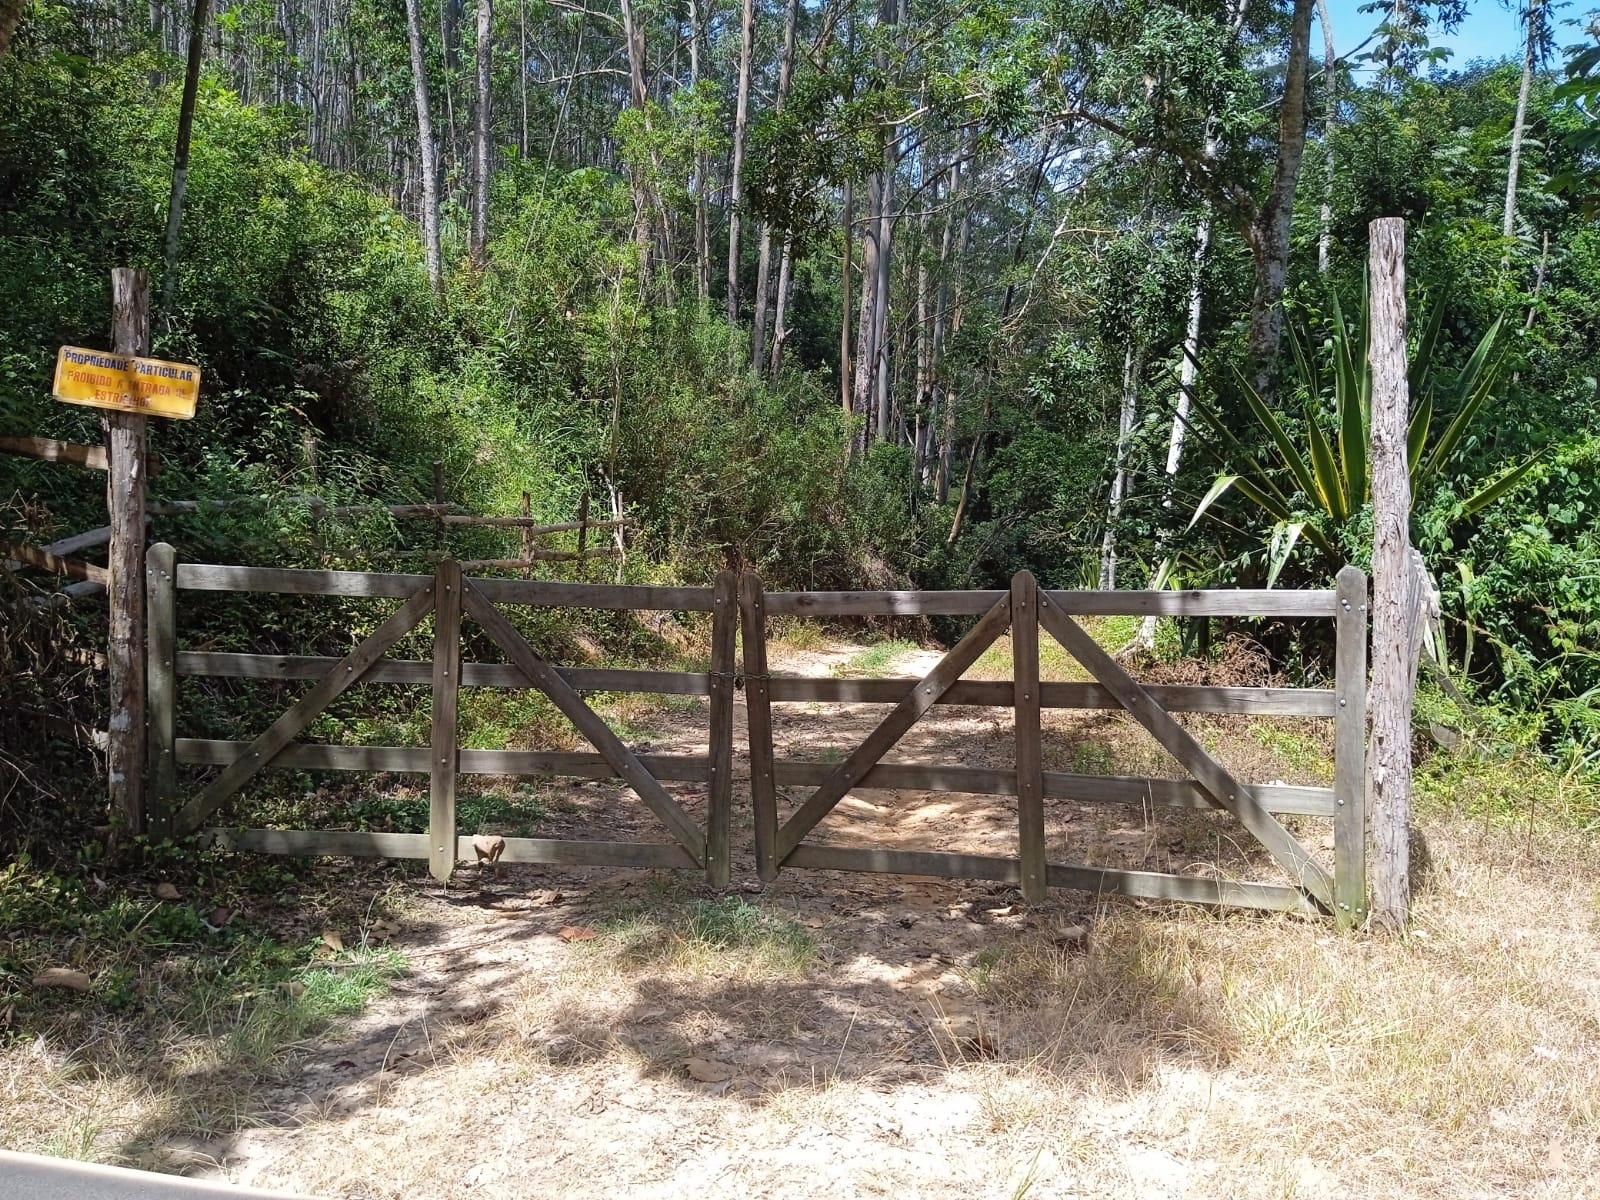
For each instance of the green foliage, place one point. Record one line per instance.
(1321, 486)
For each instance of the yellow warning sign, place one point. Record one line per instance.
(102, 379)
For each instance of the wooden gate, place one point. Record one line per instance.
(449, 598)
(1026, 609)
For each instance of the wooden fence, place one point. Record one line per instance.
(1025, 610)
(741, 602)
(450, 598)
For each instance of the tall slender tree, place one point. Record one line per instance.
(482, 162)
(426, 154)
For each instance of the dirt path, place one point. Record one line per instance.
(835, 1036)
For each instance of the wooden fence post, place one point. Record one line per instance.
(1393, 599)
(160, 574)
(125, 634)
(719, 803)
(527, 535)
(758, 705)
(1030, 762)
(1350, 749)
(446, 750)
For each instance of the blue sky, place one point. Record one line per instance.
(1489, 31)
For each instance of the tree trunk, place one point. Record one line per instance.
(643, 209)
(846, 279)
(180, 154)
(741, 120)
(1535, 18)
(1394, 580)
(425, 149)
(1269, 232)
(1119, 480)
(866, 347)
(881, 294)
(947, 442)
(1330, 119)
(481, 161)
(780, 316)
(764, 260)
(522, 73)
(702, 166)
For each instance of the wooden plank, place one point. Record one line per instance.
(75, 453)
(719, 802)
(1142, 885)
(500, 675)
(125, 625)
(1178, 742)
(211, 577)
(161, 684)
(585, 719)
(880, 604)
(1029, 749)
(309, 756)
(1182, 889)
(531, 557)
(219, 752)
(53, 450)
(530, 526)
(80, 542)
(1087, 789)
(1219, 602)
(1214, 602)
(918, 700)
(1250, 701)
(323, 693)
(758, 719)
(184, 508)
(349, 843)
(541, 593)
(446, 692)
(45, 560)
(1350, 749)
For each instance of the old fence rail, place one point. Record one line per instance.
(741, 603)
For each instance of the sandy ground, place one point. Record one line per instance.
(940, 1041)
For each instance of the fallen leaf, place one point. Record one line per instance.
(545, 898)
(709, 1070)
(62, 977)
(219, 916)
(576, 933)
(166, 891)
(292, 988)
(332, 940)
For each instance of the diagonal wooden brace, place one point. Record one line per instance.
(1207, 771)
(291, 724)
(588, 722)
(923, 695)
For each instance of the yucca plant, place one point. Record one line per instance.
(1315, 489)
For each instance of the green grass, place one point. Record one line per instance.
(874, 661)
(726, 936)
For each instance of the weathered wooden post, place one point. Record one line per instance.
(719, 798)
(125, 635)
(1029, 753)
(445, 759)
(1393, 597)
(161, 678)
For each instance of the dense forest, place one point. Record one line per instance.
(855, 293)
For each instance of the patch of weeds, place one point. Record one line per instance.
(517, 813)
(1055, 664)
(1292, 746)
(874, 661)
(723, 937)
(1509, 788)
(512, 718)
(1091, 758)
(798, 634)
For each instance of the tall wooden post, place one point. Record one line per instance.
(445, 760)
(1393, 599)
(719, 801)
(125, 636)
(1025, 695)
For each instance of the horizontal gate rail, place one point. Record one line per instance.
(1221, 602)
(1210, 785)
(446, 592)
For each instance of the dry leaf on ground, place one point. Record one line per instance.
(709, 1070)
(62, 977)
(576, 933)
